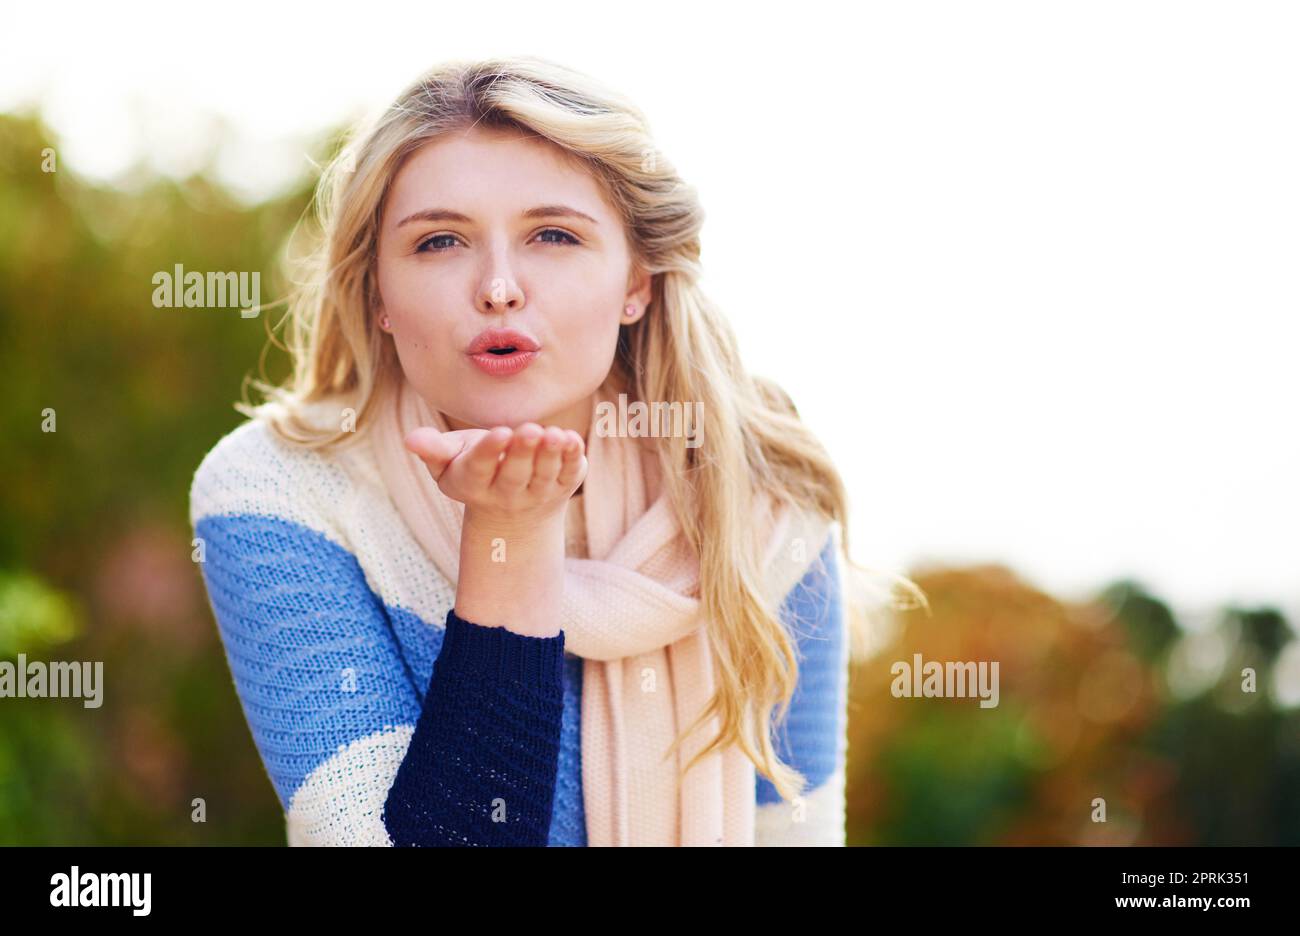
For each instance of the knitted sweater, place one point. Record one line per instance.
(383, 718)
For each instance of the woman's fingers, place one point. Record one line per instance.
(434, 448)
(573, 466)
(481, 460)
(517, 468)
(550, 453)
(532, 460)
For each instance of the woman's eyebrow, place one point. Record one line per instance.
(541, 211)
(558, 211)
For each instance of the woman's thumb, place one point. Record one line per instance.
(433, 447)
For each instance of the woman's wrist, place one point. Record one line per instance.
(512, 572)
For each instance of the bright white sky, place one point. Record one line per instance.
(1029, 269)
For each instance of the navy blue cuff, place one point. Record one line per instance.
(489, 653)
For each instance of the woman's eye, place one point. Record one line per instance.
(424, 245)
(566, 234)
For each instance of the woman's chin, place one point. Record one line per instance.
(512, 416)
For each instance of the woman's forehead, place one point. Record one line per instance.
(494, 169)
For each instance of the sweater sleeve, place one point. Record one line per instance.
(813, 736)
(356, 752)
(481, 766)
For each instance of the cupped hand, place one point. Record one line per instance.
(503, 473)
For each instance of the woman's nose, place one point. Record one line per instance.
(499, 293)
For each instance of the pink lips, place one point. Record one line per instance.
(502, 351)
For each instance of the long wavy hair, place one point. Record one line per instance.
(681, 349)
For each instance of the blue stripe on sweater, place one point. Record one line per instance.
(569, 821)
(288, 603)
(808, 738)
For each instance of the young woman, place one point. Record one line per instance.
(521, 554)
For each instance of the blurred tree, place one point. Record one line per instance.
(1147, 620)
(1264, 629)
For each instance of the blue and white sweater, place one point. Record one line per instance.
(379, 714)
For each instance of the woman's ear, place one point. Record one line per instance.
(638, 297)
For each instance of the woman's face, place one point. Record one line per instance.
(488, 228)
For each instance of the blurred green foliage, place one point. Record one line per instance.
(33, 615)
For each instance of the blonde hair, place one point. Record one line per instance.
(681, 349)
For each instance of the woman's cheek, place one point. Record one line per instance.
(427, 341)
(594, 355)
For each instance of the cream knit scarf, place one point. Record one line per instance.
(631, 613)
